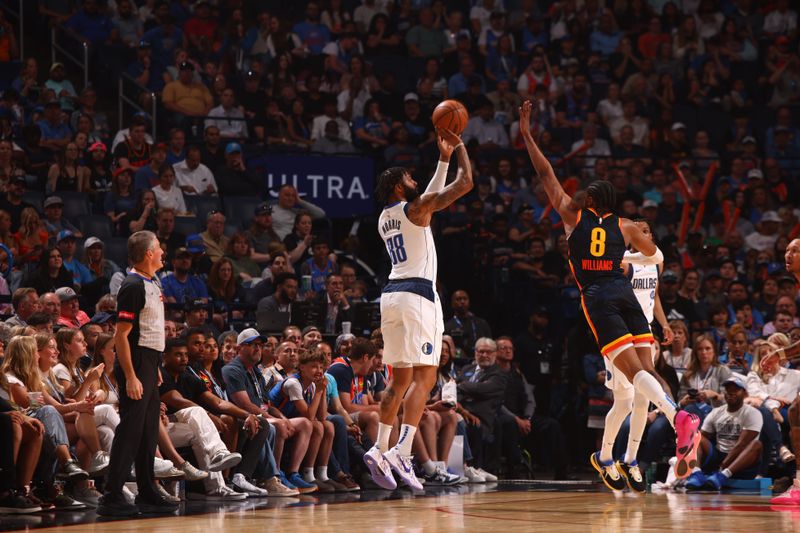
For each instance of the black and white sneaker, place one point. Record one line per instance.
(17, 503)
(441, 477)
(633, 476)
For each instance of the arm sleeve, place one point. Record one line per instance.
(130, 301)
(439, 177)
(639, 258)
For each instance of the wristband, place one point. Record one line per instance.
(456, 146)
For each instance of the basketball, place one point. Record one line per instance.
(450, 115)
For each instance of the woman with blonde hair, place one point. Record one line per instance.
(78, 415)
(79, 385)
(679, 354)
(26, 389)
(771, 388)
(31, 238)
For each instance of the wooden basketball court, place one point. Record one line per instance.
(506, 507)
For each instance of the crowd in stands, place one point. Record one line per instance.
(689, 108)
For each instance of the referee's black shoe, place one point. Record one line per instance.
(608, 472)
(633, 476)
(155, 506)
(116, 505)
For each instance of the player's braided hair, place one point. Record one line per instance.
(603, 195)
(387, 180)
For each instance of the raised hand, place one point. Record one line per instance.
(525, 118)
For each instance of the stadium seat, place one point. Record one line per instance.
(239, 209)
(76, 205)
(201, 205)
(95, 226)
(187, 225)
(34, 198)
(116, 249)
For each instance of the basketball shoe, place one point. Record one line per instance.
(790, 497)
(633, 475)
(402, 466)
(608, 472)
(687, 428)
(380, 469)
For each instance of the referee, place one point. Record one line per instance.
(139, 341)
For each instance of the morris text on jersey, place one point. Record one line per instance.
(391, 224)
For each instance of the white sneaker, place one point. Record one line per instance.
(473, 476)
(380, 470)
(220, 494)
(166, 495)
(491, 478)
(224, 460)
(403, 468)
(129, 496)
(161, 466)
(441, 477)
(240, 484)
(192, 473)
(99, 462)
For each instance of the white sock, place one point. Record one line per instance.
(407, 433)
(638, 423)
(614, 419)
(726, 472)
(429, 467)
(647, 385)
(308, 475)
(321, 473)
(384, 431)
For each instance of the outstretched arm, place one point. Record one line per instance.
(634, 236)
(421, 209)
(560, 200)
(440, 176)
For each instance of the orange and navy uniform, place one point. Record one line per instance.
(596, 249)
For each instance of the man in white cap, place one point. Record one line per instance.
(766, 232)
(247, 389)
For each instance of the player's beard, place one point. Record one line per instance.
(411, 193)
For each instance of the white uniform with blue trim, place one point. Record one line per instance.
(644, 279)
(412, 321)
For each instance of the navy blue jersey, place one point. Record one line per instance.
(596, 248)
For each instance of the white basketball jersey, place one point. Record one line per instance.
(410, 247)
(644, 279)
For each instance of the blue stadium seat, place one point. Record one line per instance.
(76, 205)
(95, 226)
(116, 249)
(239, 209)
(187, 225)
(202, 205)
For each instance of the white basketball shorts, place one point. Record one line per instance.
(412, 327)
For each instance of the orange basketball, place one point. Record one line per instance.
(451, 115)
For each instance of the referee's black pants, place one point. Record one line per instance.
(137, 433)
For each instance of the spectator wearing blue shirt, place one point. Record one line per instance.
(67, 244)
(534, 34)
(164, 40)
(90, 24)
(144, 71)
(182, 286)
(459, 82)
(605, 39)
(56, 134)
(312, 33)
(62, 87)
(372, 130)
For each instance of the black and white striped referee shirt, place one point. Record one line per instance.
(141, 303)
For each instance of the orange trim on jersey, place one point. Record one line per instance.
(593, 211)
(613, 345)
(578, 283)
(578, 220)
(589, 320)
(646, 338)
